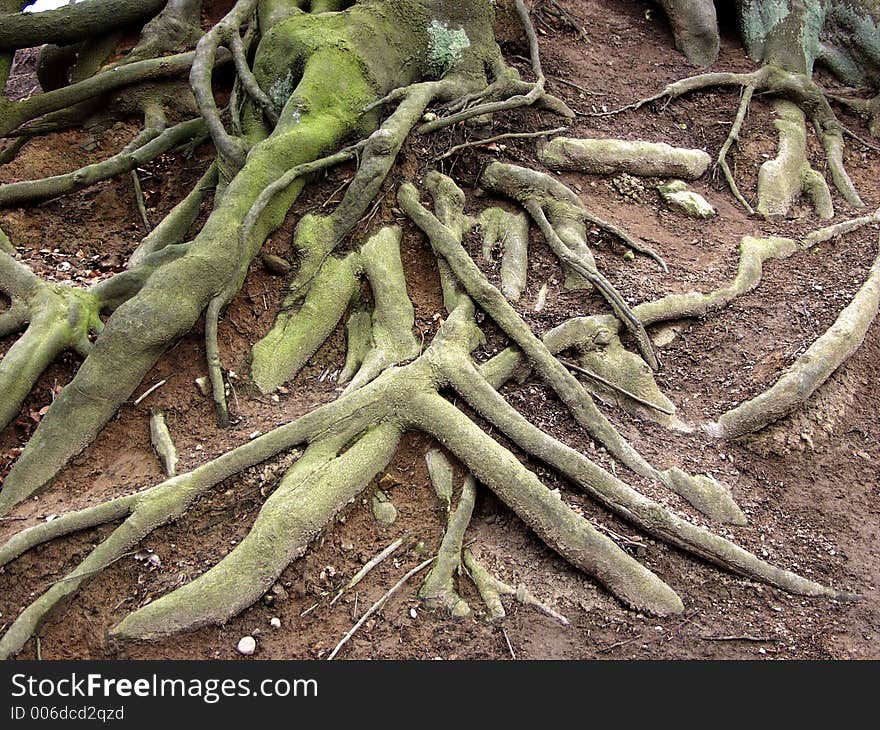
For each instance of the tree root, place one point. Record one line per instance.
(511, 232)
(566, 235)
(491, 589)
(733, 136)
(326, 284)
(174, 226)
(782, 180)
(14, 115)
(438, 590)
(554, 373)
(162, 442)
(507, 92)
(396, 383)
(126, 161)
(351, 440)
(71, 23)
(612, 156)
(810, 370)
(796, 87)
(59, 317)
(440, 472)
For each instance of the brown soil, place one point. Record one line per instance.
(809, 484)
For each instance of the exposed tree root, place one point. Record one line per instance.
(351, 440)
(491, 589)
(811, 369)
(73, 22)
(613, 156)
(317, 81)
(126, 161)
(733, 136)
(560, 216)
(58, 317)
(782, 180)
(795, 86)
(438, 590)
(162, 442)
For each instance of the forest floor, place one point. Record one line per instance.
(810, 484)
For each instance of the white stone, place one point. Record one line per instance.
(247, 645)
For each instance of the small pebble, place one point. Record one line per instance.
(247, 645)
(275, 622)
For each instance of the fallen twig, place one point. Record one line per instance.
(372, 563)
(150, 390)
(378, 604)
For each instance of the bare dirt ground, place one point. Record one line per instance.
(810, 484)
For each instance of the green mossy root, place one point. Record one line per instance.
(312, 492)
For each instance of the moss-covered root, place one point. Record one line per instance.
(613, 156)
(336, 423)
(561, 216)
(650, 516)
(72, 22)
(125, 161)
(163, 444)
(312, 492)
(781, 181)
(555, 523)
(551, 370)
(59, 318)
(695, 28)
(279, 356)
(438, 590)
(392, 338)
(491, 589)
(811, 369)
(510, 232)
(171, 301)
(296, 336)
(357, 340)
(618, 375)
(440, 472)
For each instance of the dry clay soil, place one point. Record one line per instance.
(808, 484)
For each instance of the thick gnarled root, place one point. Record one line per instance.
(561, 217)
(613, 156)
(773, 79)
(391, 332)
(781, 181)
(810, 370)
(351, 440)
(58, 318)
